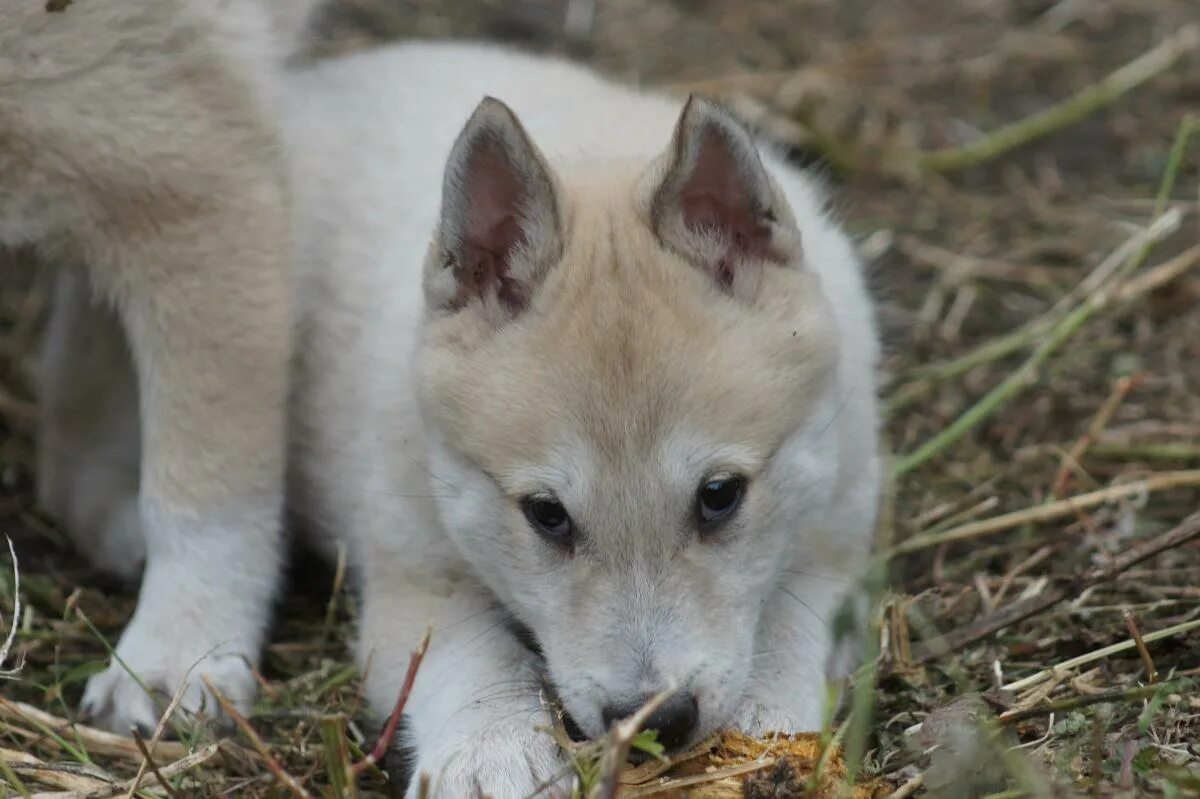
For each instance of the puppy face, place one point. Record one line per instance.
(628, 378)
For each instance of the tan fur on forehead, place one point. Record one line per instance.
(624, 342)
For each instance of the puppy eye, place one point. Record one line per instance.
(719, 496)
(549, 518)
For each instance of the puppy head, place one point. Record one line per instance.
(627, 375)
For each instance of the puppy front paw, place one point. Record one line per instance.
(758, 717)
(502, 761)
(133, 695)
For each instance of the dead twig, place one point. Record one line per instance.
(63, 776)
(1049, 511)
(1019, 380)
(1099, 654)
(620, 739)
(98, 742)
(149, 760)
(389, 729)
(1135, 632)
(198, 758)
(1103, 416)
(286, 780)
(1023, 609)
(1074, 703)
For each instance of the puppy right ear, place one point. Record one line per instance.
(500, 229)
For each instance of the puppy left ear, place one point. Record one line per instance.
(715, 203)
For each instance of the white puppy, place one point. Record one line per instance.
(589, 384)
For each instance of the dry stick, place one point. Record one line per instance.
(1147, 452)
(1018, 381)
(56, 775)
(1050, 510)
(1099, 422)
(621, 737)
(1066, 665)
(161, 727)
(1160, 275)
(1136, 633)
(97, 742)
(178, 767)
(148, 760)
(1023, 609)
(908, 789)
(285, 779)
(1074, 703)
(670, 786)
(389, 730)
(1074, 109)
(10, 777)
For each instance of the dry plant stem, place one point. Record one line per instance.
(1070, 111)
(158, 732)
(10, 777)
(1135, 633)
(148, 760)
(1099, 422)
(1127, 257)
(1160, 275)
(1023, 377)
(1074, 703)
(993, 622)
(389, 730)
(1147, 452)
(670, 786)
(1157, 635)
(908, 789)
(285, 779)
(180, 766)
(621, 737)
(15, 765)
(1050, 510)
(98, 742)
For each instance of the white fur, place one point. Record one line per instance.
(434, 538)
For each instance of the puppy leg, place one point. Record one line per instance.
(476, 706)
(801, 645)
(89, 443)
(139, 138)
(206, 306)
(788, 685)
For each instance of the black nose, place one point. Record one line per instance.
(674, 721)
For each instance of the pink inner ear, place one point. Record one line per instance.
(492, 230)
(493, 203)
(715, 197)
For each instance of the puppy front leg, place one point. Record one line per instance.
(788, 690)
(206, 307)
(475, 710)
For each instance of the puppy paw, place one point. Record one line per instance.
(117, 700)
(504, 761)
(759, 718)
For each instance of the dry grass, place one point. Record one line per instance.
(1043, 397)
